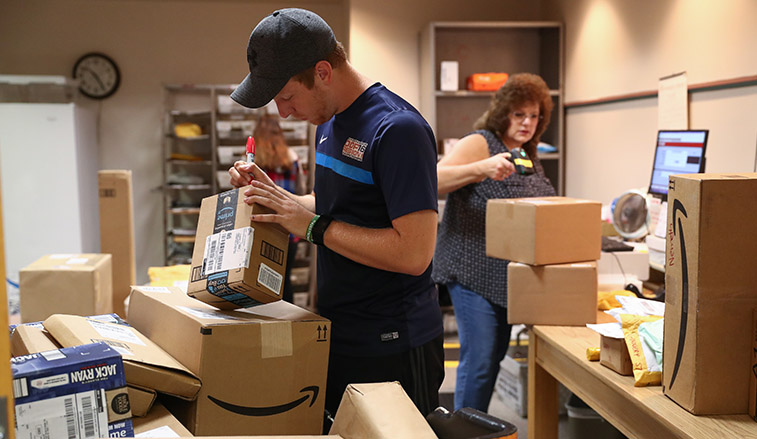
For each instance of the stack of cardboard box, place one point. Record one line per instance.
(553, 244)
(145, 368)
(263, 370)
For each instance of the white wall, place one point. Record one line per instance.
(384, 35)
(617, 47)
(154, 42)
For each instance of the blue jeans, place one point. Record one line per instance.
(484, 338)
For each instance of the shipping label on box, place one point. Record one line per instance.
(147, 365)
(263, 370)
(559, 294)
(710, 291)
(545, 230)
(77, 392)
(66, 283)
(236, 263)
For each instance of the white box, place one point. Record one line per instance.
(629, 263)
(448, 77)
(512, 386)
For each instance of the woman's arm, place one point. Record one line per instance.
(469, 162)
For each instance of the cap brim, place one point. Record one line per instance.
(256, 92)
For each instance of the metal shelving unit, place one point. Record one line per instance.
(196, 161)
(492, 46)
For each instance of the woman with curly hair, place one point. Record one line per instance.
(273, 155)
(476, 170)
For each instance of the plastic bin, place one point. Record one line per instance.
(469, 423)
(585, 423)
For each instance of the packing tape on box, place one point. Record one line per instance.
(276, 339)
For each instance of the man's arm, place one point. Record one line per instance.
(407, 247)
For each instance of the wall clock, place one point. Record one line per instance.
(98, 75)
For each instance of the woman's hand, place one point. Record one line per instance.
(497, 167)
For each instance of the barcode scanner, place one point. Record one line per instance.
(523, 164)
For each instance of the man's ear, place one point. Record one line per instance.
(323, 71)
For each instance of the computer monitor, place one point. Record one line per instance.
(677, 152)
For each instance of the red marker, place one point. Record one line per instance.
(250, 150)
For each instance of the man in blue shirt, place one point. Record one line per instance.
(373, 210)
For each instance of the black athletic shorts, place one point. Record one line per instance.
(420, 371)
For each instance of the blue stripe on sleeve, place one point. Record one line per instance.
(343, 169)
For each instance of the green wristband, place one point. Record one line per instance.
(309, 233)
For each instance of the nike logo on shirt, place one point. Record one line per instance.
(323, 139)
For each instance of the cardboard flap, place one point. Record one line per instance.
(210, 315)
(147, 365)
(141, 400)
(69, 262)
(170, 381)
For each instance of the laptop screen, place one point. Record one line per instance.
(677, 152)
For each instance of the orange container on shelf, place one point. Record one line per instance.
(486, 81)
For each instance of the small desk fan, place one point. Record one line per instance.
(630, 214)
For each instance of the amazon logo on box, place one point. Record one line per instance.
(263, 369)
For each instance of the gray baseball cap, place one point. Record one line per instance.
(282, 45)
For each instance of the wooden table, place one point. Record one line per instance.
(558, 353)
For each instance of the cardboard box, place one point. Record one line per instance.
(547, 230)
(236, 263)
(560, 294)
(160, 423)
(147, 365)
(710, 291)
(117, 231)
(28, 339)
(753, 370)
(66, 284)
(613, 353)
(81, 387)
(379, 411)
(32, 338)
(263, 370)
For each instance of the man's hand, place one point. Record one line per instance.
(242, 174)
(287, 212)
